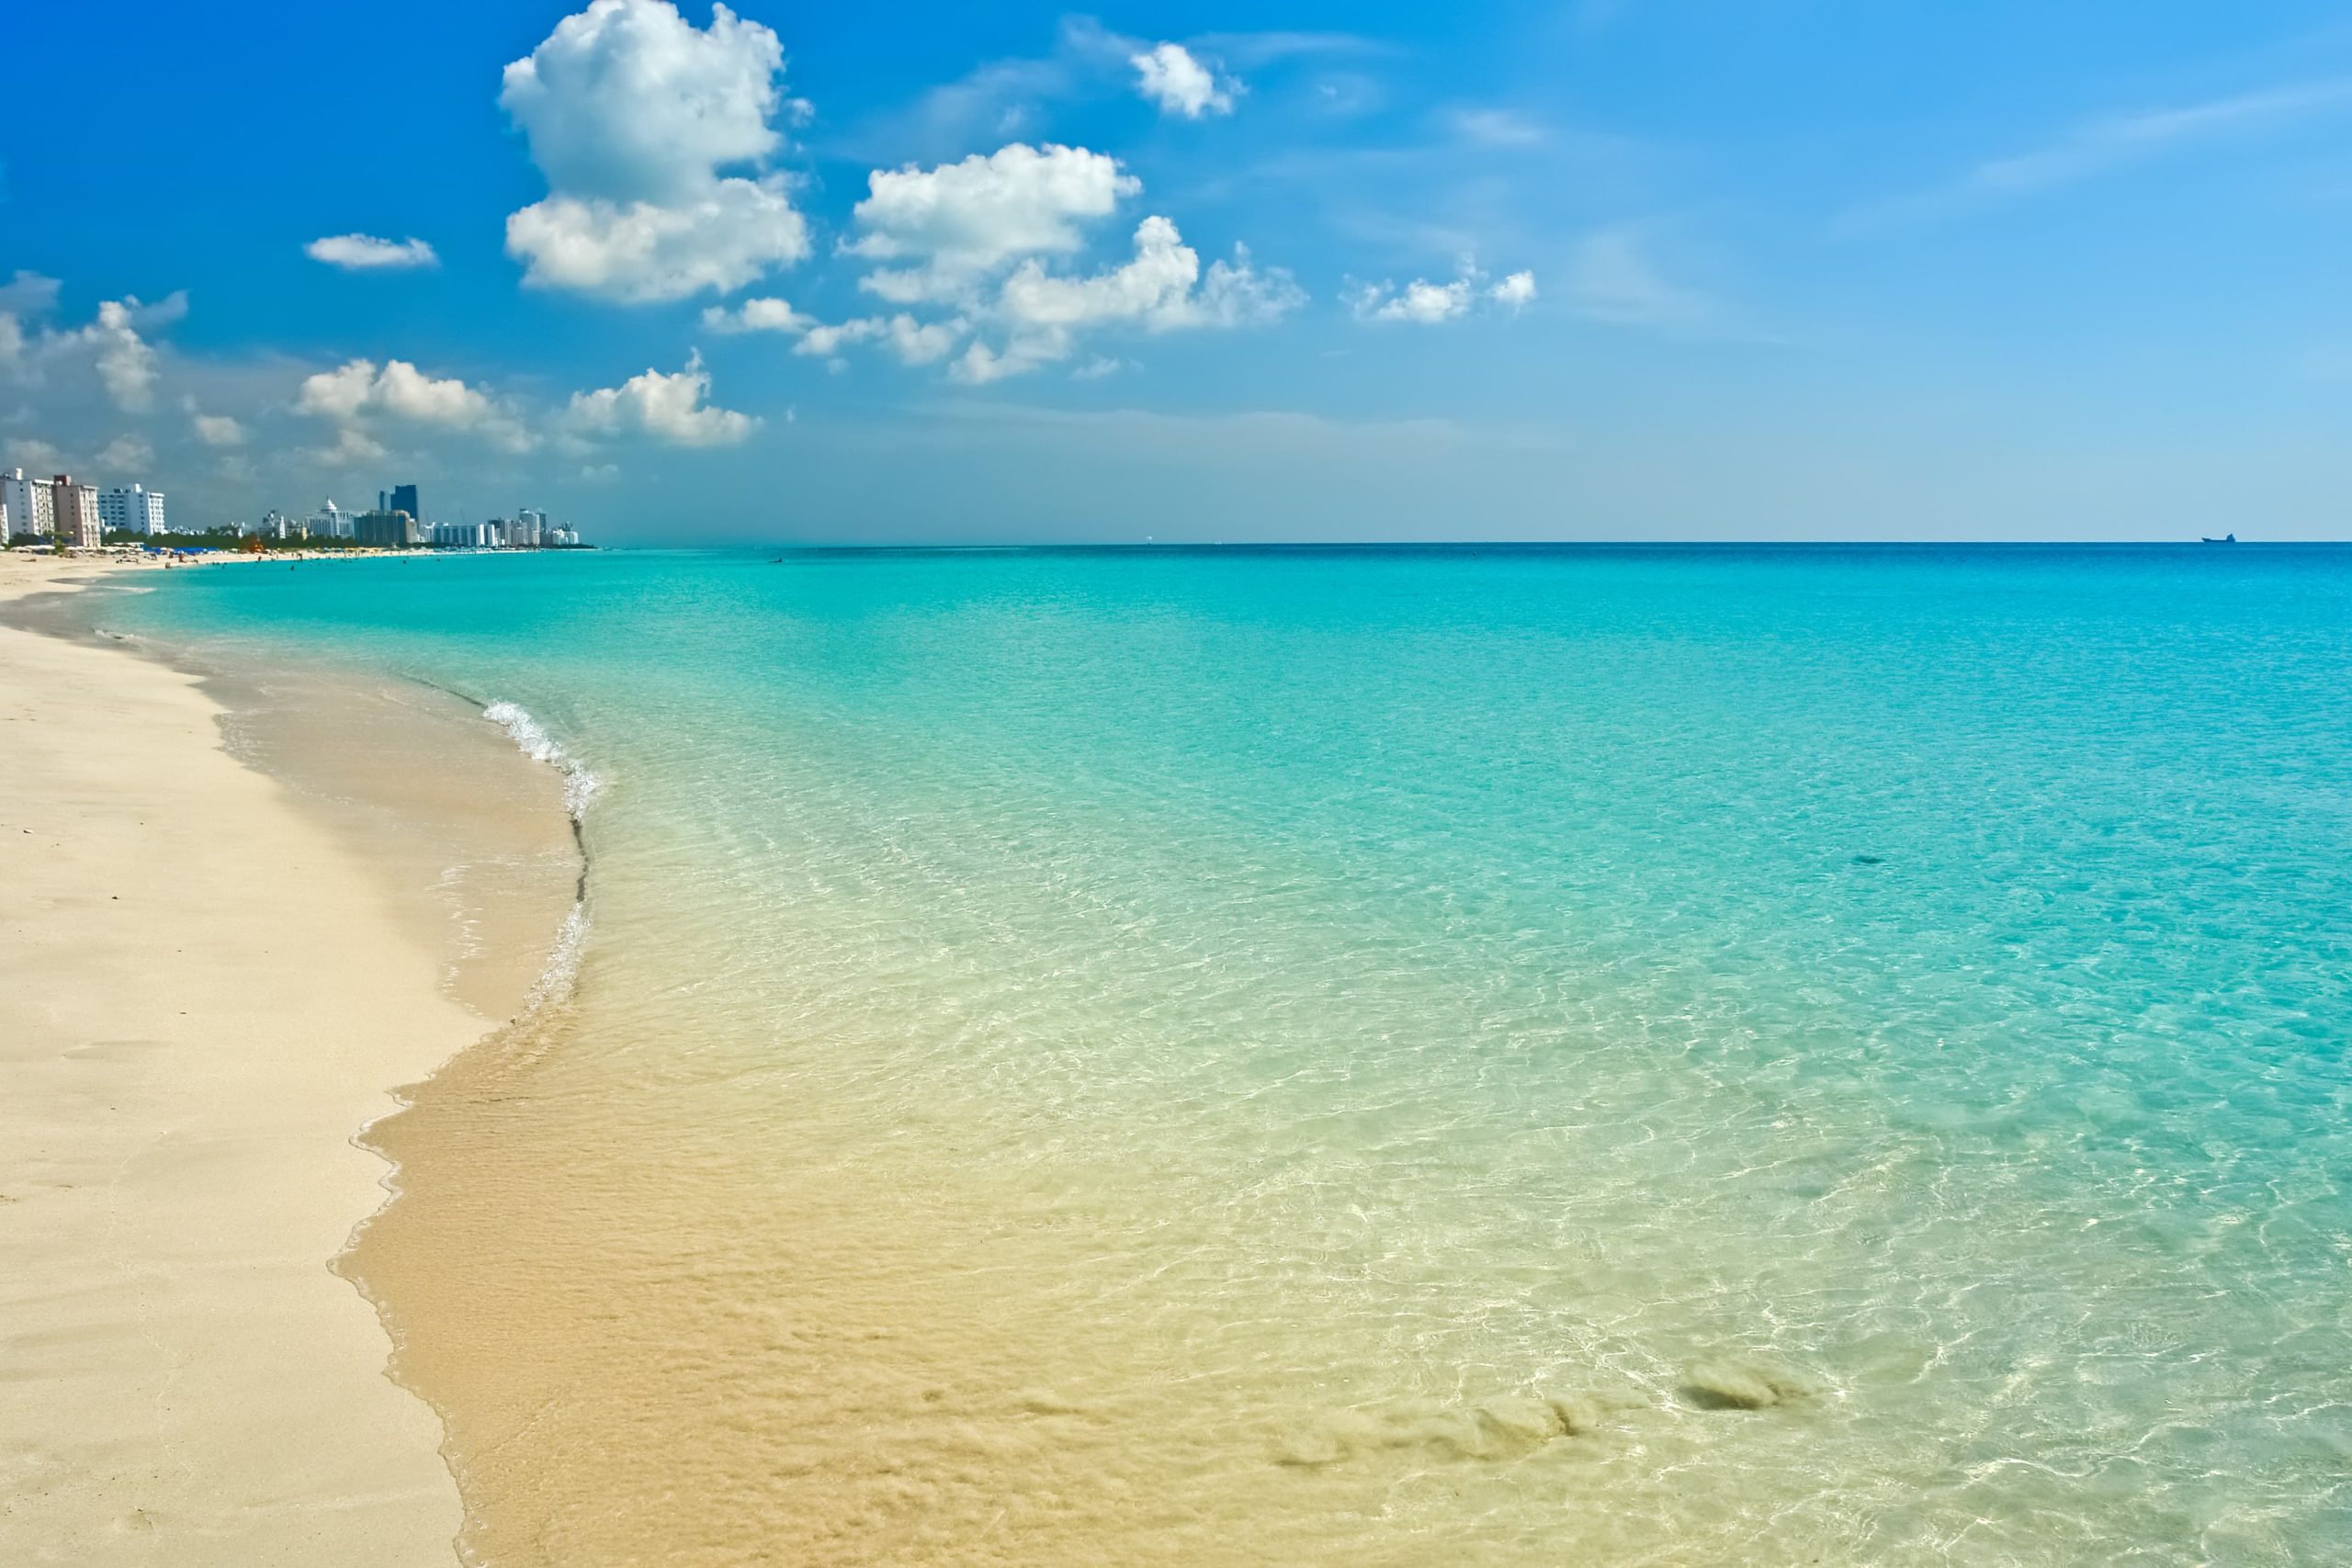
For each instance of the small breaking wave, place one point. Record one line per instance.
(555, 981)
(579, 783)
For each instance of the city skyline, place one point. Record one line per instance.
(1599, 270)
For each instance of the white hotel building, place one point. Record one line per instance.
(331, 522)
(28, 502)
(131, 509)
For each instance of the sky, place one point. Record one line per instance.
(1598, 269)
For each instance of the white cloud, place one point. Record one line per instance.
(399, 388)
(825, 341)
(629, 101)
(670, 408)
(980, 365)
(1169, 75)
(36, 456)
(914, 341)
(956, 223)
(217, 429)
(125, 452)
(730, 234)
(1043, 315)
(1421, 301)
(29, 294)
(25, 294)
(1235, 294)
(1515, 292)
(353, 449)
(366, 253)
(358, 390)
(1153, 287)
(126, 363)
(634, 115)
(922, 342)
(757, 316)
(981, 235)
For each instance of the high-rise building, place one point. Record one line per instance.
(75, 512)
(385, 530)
(404, 500)
(131, 509)
(31, 510)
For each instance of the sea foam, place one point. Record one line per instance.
(579, 783)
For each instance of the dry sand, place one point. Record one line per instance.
(206, 988)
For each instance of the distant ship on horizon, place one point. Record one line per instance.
(2224, 539)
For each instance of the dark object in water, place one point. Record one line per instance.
(1870, 860)
(1739, 1385)
(2224, 539)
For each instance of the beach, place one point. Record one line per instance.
(1388, 1057)
(211, 980)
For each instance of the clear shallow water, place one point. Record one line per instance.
(1320, 1056)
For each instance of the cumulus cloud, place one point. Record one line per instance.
(217, 429)
(1516, 291)
(1170, 77)
(1423, 303)
(26, 295)
(358, 390)
(399, 388)
(670, 408)
(634, 115)
(36, 456)
(987, 237)
(1160, 289)
(645, 251)
(29, 294)
(951, 226)
(914, 341)
(353, 449)
(762, 315)
(1420, 300)
(1238, 294)
(366, 253)
(125, 452)
(126, 361)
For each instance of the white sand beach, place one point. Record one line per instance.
(206, 990)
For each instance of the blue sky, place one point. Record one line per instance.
(1604, 269)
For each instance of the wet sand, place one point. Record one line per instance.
(212, 977)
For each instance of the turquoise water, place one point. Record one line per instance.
(1374, 1055)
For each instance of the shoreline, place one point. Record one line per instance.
(242, 912)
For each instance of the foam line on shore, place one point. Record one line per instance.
(579, 783)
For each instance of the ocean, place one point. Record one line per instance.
(1596, 1055)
